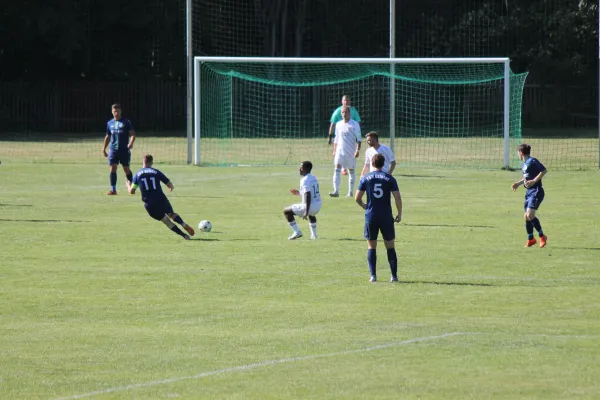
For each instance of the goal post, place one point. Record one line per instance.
(433, 111)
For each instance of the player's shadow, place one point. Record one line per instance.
(420, 176)
(353, 239)
(198, 197)
(576, 248)
(447, 283)
(205, 240)
(39, 220)
(452, 226)
(15, 205)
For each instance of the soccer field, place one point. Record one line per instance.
(99, 301)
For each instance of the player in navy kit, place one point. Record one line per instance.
(533, 172)
(157, 205)
(379, 186)
(121, 136)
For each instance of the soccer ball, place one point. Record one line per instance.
(204, 226)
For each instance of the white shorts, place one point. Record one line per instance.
(348, 161)
(299, 209)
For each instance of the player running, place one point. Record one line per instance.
(157, 205)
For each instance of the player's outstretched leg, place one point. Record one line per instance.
(174, 227)
(313, 227)
(177, 218)
(289, 215)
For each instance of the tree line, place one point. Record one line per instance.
(555, 40)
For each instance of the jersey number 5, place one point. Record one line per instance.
(377, 191)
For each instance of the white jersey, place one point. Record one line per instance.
(310, 184)
(383, 149)
(347, 134)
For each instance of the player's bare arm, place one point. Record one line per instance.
(357, 152)
(307, 199)
(131, 140)
(330, 135)
(295, 192)
(392, 167)
(398, 199)
(358, 196)
(106, 140)
(536, 179)
(170, 186)
(365, 169)
(515, 185)
(131, 187)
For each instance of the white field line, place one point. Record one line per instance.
(259, 364)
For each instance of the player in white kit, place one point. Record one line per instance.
(377, 148)
(311, 202)
(346, 149)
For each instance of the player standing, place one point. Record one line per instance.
(533, 172)
(336, 117)
(346, 148)
(379, 186)
(311, 202)
(377, 148)
(157, 205)
(121, 136)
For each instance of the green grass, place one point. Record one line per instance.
(558, 149)
(98, 300)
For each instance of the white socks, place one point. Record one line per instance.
(336, 180)
(313, 229)
(295, 227)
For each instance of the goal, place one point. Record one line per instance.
(432, 111)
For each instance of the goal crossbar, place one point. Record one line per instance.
(199, 60)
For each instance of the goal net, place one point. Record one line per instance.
(434, 112)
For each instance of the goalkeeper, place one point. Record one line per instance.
(336, 117)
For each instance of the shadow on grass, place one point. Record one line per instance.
(576, 248)
(420, 176)
(448, 283)
(197, 197)
(195, 239)
(15, 205)
(39, 220)
(453, 226)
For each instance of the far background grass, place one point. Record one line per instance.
(564, 149)
(95, 295)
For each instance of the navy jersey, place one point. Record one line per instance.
(378, 186)
(148, 180)
(119, 131)
(531, 168)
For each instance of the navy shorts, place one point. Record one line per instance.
(386, 226)
(533, 199)
(119, 157)
(158, 210)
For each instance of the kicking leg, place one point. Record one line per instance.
(175, 217)
(174, 227)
